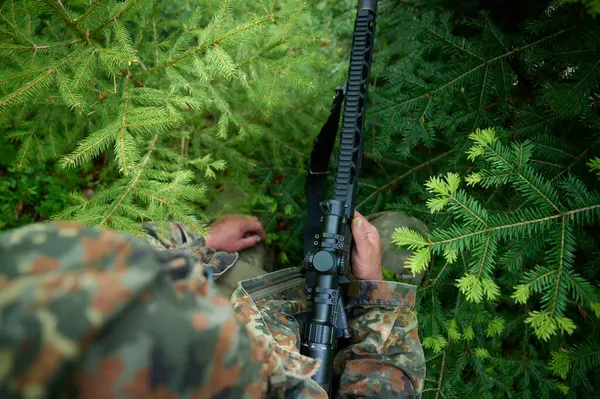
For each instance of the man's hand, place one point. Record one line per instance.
(366, 254)
(233, 233)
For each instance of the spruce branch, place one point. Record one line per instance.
(87, 13)
(469, 72)
(561, 265)
(11, 48)
(204, 47)
(125, 141)
(31, 88)
(62, 13)
(402, 176)
(134, 180)
(15, 29)
(131, 4)
(146, 24)
(517, 225)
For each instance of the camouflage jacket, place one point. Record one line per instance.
(97, 314)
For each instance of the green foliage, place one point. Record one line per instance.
(483, 122)
(175, 97)
(490, 117)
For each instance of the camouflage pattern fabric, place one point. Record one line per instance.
(96, 314)
(85, 313)
(385, 358)
(252, 262)
(179, 238)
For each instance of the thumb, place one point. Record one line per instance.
(359, 230)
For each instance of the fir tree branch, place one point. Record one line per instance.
(206, 46)
(541, 277)
(67, 89)
(402, 176)
(587, 75)
(162, 201)
(561, 263)
(484, 256)
(22, 75)
(35, 47)
(513, 225)
(439, 382)
(580, 291)
(283, 72)
(16, 29)
(24, 150)
(87, 13)
(575, 160)
(474, 69)
(67, 18)
(432, 92)
(222, 15)
(28, 86)
(224, 62)
(461, 48)
(130, 5)
(274, 45)
(466, 208)
(51, 140)
(479, 107)
(520, 175)
(289, 26)
(547, 163)
(523, 250)
(435, 279)
(491, 28)
(134, 180)
(143, 28)
(122, 128)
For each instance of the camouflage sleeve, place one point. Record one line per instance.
(386, 359)
(94, 314)
(177, 237)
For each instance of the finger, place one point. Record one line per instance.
(359, 231)
(255, 226)
(372, 232)
(248, 242)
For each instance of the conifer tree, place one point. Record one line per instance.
(159, 96)
(489, 113)
(484, 123)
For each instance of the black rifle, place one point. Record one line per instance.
(328, 235)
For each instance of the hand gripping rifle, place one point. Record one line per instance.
(327, 235)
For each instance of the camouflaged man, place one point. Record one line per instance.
(97, 314)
